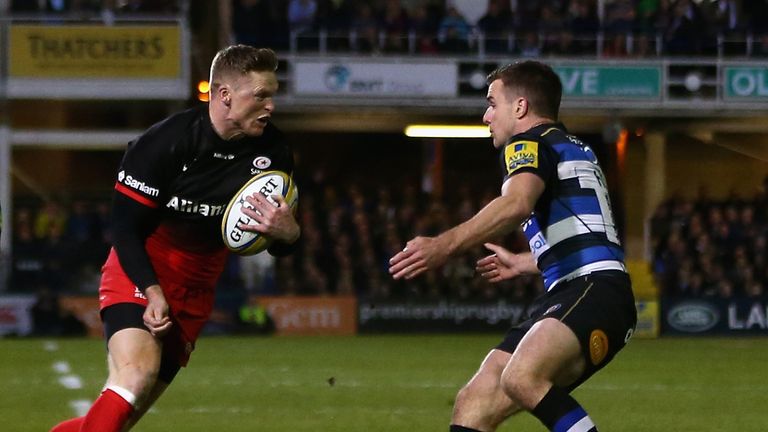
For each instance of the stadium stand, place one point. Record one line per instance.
(620, 28)
(60, 248)
(711, 248)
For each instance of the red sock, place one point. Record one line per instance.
(109, 413)
(71, 425)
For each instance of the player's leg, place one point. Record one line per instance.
(168, 370)
(139, 412)
(547, 361)
(585, 324)
(133, 359)
(71, 425)
(481, 405)
(165, 376)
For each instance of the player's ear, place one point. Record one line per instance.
(225, 94)
(521, 107)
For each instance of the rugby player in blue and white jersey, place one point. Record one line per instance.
(554, 188)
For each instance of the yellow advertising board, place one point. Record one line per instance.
(106, 52)
(648, 324)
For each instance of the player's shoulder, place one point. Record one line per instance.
(274, 138)
(165, 135)
(274, 134)
(178, 122)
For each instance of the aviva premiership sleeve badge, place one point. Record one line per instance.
(521, 154)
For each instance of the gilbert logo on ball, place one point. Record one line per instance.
(267, 183)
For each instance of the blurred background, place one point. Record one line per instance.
(673, 96)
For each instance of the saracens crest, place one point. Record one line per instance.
(260, 163)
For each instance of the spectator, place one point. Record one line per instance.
(424, 26)
(454, 31)
(496, 25)
(395, 24)
(530, 45)
(551, 24)
(683, 36)
(335, 17)
(52, 216)
(27, 265)
(365, 29)
(246, 21)
(301, 15)
(618, 26)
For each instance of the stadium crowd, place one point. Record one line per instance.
(609, 28)
(711, 248)
(527, 28)
(348, 236)
(94, 7)
(701, 247)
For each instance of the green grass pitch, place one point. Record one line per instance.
(388, 383)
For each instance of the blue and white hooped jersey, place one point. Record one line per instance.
(571, 231)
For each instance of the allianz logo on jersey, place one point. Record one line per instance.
(194, 207)
(224, 156)
(140, 186)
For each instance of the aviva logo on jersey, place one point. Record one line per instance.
(521, 154)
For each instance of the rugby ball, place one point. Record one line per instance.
(267, 183)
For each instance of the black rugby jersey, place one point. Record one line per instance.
(180, 175)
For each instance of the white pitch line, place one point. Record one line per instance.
(50, 346)
(72, 382)
(80, 406)
(68, 380)
(62, 367)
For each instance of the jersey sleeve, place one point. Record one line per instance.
(529, 155)
(132, 222)
(141, 184)
(144, 170)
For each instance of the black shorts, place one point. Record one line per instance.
(599, 308)
(130, 315)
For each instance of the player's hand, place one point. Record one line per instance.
(275, 222)
(503, 264)
(418, 255)
(156, 315)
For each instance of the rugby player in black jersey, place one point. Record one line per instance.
(173, 186)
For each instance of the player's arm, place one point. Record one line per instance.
(499, 217)
(132, 222)
(287, 241)
(503, 264)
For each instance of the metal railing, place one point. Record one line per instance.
(601, 44)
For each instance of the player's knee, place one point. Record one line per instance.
(463, 398)
(138, 379)
(522, 386)
(482, 406)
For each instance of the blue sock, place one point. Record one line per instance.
(561, 413)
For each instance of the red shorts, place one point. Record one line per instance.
(188, 280)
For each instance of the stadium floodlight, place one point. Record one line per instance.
(203, 87)
(446, 131)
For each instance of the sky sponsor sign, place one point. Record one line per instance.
(361, 79)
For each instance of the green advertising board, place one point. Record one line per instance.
(611, 82)
(746, 82)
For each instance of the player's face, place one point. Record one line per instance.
(251, 102)
(500, 114)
